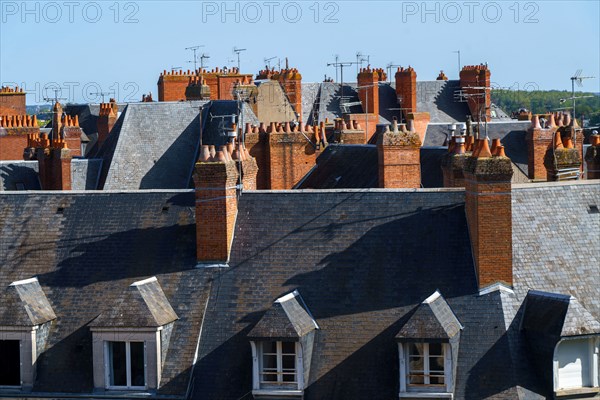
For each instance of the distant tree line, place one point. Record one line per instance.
(541, 101)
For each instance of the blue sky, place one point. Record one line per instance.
(88, 47)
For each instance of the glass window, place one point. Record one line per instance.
(126, 364)
(278, 364)
(425, 364)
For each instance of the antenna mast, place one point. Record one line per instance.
(194, 49)
(238, 51)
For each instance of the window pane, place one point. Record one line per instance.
(270, 347)
(269, 372)
(415, 364)
(118, 363)
(415, 349)
(436, 364)
(435, 349)
(138, 377)
(436, 380)
(416, 379)
(288, 347)
(10, 363)
(289, 362)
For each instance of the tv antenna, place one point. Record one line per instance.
(194, 49)
(54, 99)
(173, 69)
(389, 69)
(458, 53)
(268, 61)
(360, 58)
(577, 78)
(101, 94)
(341, 65)
(203, 57)
(237, 52)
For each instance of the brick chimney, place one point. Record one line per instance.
(71, 134)
(54, 160)
(453, 162)
(539, 139)
(489, 213)
(197, 89)
(14, 130)
(290, 155)
(478, 99)
(398, 151)
(592, 157)
(215, 178)
(291, 83)
(562, 159)
(368, 89)
(106, 120)
(172, 84)
(12, 101)
(406, 89)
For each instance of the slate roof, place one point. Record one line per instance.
(144, 304)
(14, 172)
(363, 273)
(553, 241)
(310, 95)
(152, 146)
(86, 249)
(437, 98)
(362, 260)
(557, 315)
(24, 304)
(432, 320)
(215, 126)
(85, 173)
(343, 166)
(286, 319)
(88, 120)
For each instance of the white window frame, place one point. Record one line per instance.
(272, 388)
(152, 355)
(425, 390)
(594, 367)
(108, 365)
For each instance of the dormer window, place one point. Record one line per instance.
(426, 364)
(130, 340)
(126, 367)
(564, 341)
(24, 328)
(426, 343)
(279, 364)
(282, 343)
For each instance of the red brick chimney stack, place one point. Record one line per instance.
(106, 120)
(12, 101)
(489, 213)
(592, 157)
(474, 79)
(215, 178)
(398, 152)
(406, 89)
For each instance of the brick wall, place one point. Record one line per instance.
(406, 89)
(12, 144)
(477, 99)
(489, 217)
(290, 157)
(172, 85)
(13, 135)
(12, 101)
(216, 209)
(592, 158)
(55, 168)
(399, 158)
